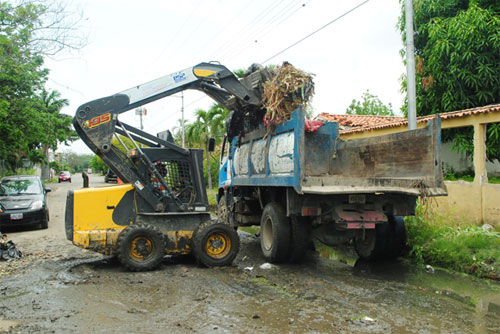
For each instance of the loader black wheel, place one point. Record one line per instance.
(140, 247)
(274, 233)
(215, 244)
(300, 238)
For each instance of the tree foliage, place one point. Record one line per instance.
(29, 114)
(457, 53)
(208, 124)
(369, 105)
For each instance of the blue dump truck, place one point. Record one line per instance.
(298, 185)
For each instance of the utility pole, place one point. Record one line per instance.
(141, 111)
(410, 67)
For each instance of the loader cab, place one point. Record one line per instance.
(224, 165)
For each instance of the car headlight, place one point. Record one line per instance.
(36, 205)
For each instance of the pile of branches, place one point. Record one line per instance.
(289, 88)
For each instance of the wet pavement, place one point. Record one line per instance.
(330, 292)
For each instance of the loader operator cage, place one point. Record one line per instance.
(176, 174)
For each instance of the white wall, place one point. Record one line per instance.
(461, 163)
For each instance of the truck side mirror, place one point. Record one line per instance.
(211, 144)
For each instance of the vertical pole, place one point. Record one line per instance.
(479, 160)
(410, 67)
(140, 115)
(182, 111)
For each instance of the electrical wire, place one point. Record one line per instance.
(67, 87)
(169, 115)
(177, 33)
(237, 49)
(269, 29)
(314, 32)
(237, 36)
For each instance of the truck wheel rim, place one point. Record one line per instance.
(218, 245)
(267, 234)
(141, 247)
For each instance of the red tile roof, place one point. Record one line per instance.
(356, 121)
(361, 123)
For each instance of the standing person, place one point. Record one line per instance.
(85, 177)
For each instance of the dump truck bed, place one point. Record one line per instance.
(321, 163)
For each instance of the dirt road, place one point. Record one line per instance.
(59, 288)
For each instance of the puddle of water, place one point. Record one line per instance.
(7, 325)
(481, 295)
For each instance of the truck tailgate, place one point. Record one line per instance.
(407, 162)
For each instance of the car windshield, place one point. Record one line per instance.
(64, 173)
(20, 187)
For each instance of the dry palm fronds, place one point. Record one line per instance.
(289, 88)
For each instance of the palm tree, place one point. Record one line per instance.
(208, 123)
(52, 105)
(177, 132)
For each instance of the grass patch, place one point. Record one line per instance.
(453, 177)
(494, 180)
(212, 200)
(442, 242)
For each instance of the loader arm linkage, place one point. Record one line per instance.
(96, 122)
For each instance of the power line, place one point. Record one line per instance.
(170, 114)
(317, 30)
(269, 29)
(67, 87)
(237, 36)
(177, 33)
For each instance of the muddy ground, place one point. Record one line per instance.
(59, 288)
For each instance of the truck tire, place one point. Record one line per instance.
(222, 214)
(365, 247)
(300, 238)
(376, 243)
(275, 233)
(140, 247)
(398, 243)
(215, 244)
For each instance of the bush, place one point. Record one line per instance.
(437, 240)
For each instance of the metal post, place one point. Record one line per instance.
(182, 111)
(410, 67)
(140, 111)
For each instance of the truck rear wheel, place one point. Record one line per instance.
(366, 247)
(387, 242)
(399, 237)
(140, 247)
(300, 238)
(274, 233)
(215, 244)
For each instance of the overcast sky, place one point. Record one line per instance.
(132, 42)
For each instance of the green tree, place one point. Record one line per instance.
(98, 165)
(96, 162)
(457, 51)
(29, 30)
(57, 127)
(369, 105)
(208, 124)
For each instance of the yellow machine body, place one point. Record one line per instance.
(90, 221)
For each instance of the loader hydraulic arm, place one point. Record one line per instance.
(97, 123)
